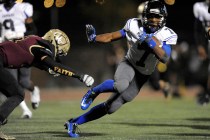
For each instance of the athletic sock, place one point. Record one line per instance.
(95, 113)
(106, 86)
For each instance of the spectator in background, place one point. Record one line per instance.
(16, 22)
(201, 25)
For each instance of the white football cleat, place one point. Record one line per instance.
(35, 97)
(26, 114)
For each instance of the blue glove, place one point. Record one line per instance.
(151, 43)
(91, 33)
(142, 37)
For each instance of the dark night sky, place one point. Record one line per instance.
(108, 17)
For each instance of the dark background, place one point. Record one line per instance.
(110, 16)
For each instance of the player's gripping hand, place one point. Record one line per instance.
(88, 80)
(91, 33)
(142, 37)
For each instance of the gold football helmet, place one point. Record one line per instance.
(60, 40)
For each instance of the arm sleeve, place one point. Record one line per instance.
(28, 9)
(60, 68)
(167, 49)
(44, 60)
(166, 57)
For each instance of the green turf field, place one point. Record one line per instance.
(143, 119)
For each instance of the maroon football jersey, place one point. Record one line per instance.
(18, 54)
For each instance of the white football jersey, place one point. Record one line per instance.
(13, 20)
(200, 11)
(142, 57)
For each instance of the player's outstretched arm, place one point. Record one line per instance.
(101, 38)
(66, 71)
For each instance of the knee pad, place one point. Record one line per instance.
(25, 83)
(114, 106)
(121, 85)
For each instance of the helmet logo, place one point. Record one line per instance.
(60, 39)
(157, 11)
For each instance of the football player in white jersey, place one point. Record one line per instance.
(16, 22)
(202, 24)
(150, 42)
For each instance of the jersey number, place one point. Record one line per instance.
(142, 59)
(8, 24)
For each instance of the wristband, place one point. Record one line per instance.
(151, 43)
(122, 32)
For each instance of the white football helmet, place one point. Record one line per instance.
(60, 40)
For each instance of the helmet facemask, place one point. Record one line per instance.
(152, 26)
(154, 9)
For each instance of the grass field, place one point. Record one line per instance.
(145, 118)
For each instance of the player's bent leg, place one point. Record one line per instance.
(165, 87)
(88, 98)
(25, 82)
(95, 113)
(113, 106)
(13, 92)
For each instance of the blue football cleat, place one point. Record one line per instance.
(71, 127)
(88, 99)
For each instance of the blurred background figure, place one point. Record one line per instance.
(114, 55)
(201, 24)
(16, 22)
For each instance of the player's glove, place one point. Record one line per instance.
(88, 80)
(142, 37)
(91, 33)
